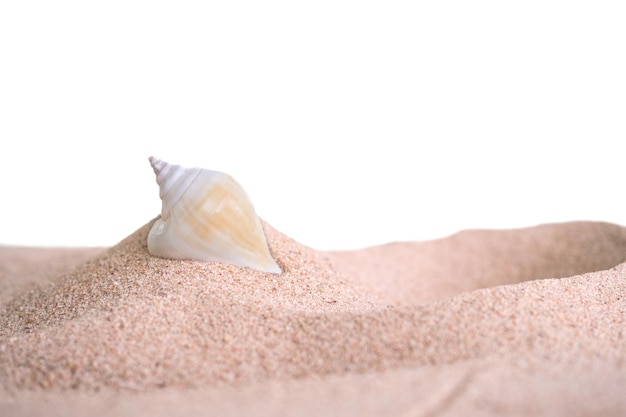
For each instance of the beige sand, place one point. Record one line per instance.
(520, 322)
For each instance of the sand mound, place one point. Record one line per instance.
(129, 319)
(494, 308)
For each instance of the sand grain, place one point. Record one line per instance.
(521, 322)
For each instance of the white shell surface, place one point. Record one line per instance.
(207, 216)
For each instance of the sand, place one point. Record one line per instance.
(516, 322)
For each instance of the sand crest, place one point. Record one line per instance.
(520, 322)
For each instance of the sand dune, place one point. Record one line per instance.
(516, 322)
(415, 272)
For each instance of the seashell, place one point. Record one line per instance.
(207, 216)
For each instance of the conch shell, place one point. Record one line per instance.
(207, 216)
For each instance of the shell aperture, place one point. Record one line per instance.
(207, 216)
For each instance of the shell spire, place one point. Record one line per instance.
(207, 216)
(173, 181)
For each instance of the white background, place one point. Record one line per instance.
(349, 123)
